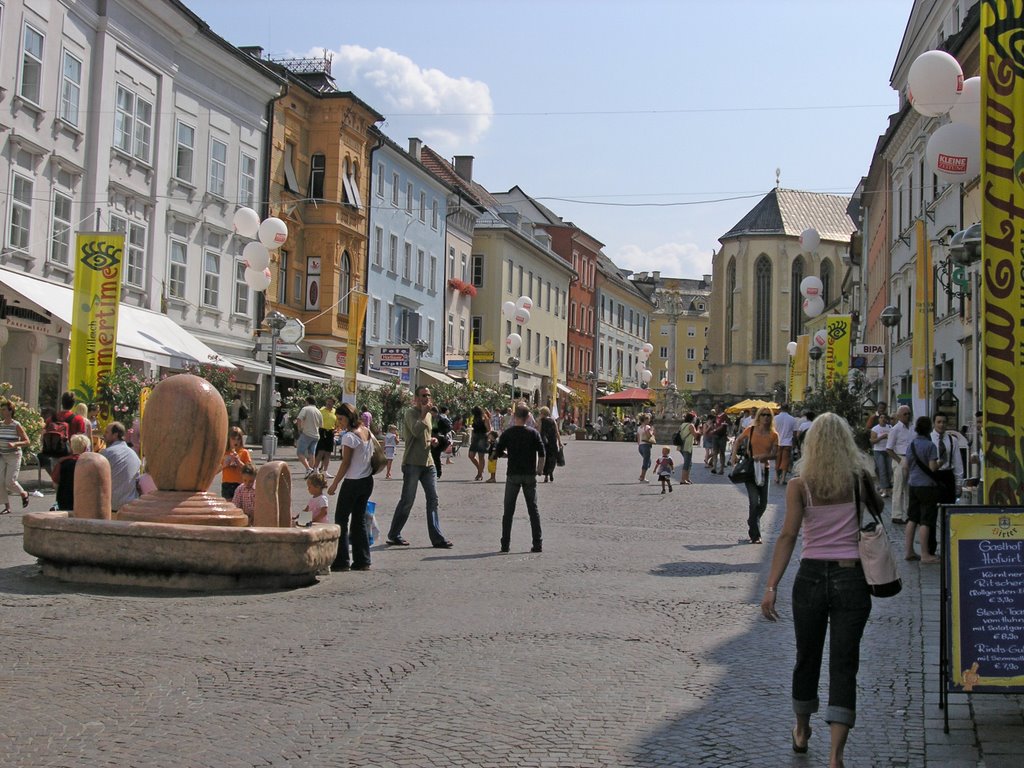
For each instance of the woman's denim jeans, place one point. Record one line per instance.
(883, 468)
(645, 452)
(757, 503)
(828, 595)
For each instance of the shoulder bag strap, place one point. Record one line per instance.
(924, 467)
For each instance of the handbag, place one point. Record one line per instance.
(560, 457)
(743, 470)
(377, 459)
(876, 558)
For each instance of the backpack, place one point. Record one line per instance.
(243, 413)
(54, 440)
(677, 440)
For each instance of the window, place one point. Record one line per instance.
(690, 377)
(184, 152)
(529, 344)
(463, 267)
(462, 333)
(133, 124)
(218, 167)
(297, 291)
(691, 331)
(350, 185)
(430, 335)
(478, 269)
(282, 277)
(572, 314)
(391, 322)
(317, 171)
(691, 353)
(421, 259)
(378, 247)
(408, 198)
(393, 254)
(509, 276)
(70, 88)
(60, 238)
(730, 306)
(763, 308)
(178, 270)
(344, 282)
(247, 180)
(433, 272)
(241, 289)
(548, 307)
(434, 216)
(134, 249)
(663, 353)
(796, 310)
(394, 189)
(451, 330)
(407, 262)
(423, 207)
(290, 181)
(519, 273)
(211, 278)
(476, 330)
(451, 261)
(826, 282)
(380, 180)
(375, 313)
(30, 86)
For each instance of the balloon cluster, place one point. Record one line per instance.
(519, 312)
(937, 87)
(267, 236)
(642, 372)
(810, 289)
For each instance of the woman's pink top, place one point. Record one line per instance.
(830, 530)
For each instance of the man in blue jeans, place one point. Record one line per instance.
(525, 451)
(418, 468)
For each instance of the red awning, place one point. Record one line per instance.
(626, 396)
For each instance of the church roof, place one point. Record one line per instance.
(789, 212)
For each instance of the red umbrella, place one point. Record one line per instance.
(627, 396)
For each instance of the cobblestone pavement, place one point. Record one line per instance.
(635, 639)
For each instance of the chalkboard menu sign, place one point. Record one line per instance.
(985, 595)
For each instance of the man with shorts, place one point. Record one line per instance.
(784, 425)
(309, 422)
(720, 439)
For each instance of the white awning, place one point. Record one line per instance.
(564, 389)
(141, 334)
(440, 378)
(258, 366)
(320, 372)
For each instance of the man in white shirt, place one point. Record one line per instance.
(747, 419)
(309, 422)
(785, 424)
(879, 436)
(947, 441)
(900, 437)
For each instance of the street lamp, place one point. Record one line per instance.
(275, 321)
(592, 381)
(890, 318)
(420, 346)
(513, 363)
(966, 251)
(815, 353)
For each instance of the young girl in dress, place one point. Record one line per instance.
(492, 459)
(390, 443)
(317, 506)
(663, 469)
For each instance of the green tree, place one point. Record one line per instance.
(846, 399)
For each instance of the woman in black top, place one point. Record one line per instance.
(478, 442)
(549, 436)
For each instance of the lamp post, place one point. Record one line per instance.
(965, 249)
(420, 346)
(275, 321)
(513, 363)
(890, 318)
(592, 381)
(815, 353)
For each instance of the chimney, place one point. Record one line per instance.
(415, 145)
(256, 51)
(464, 167)
(656, 276)
(707, 279)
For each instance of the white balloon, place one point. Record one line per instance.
(247, 222)
(273, 233)
(643, 354)
(646, 377)
(257, 279)
(821, 338)
(514, 342)
(967, 109)
(934, 82)
(810, 240)
(648, 348)
(954, 152)
(640, 367)
(256, 255)
(813, 306)
(791, 348)
(664, 382)
(508, 309)
(811, 286)
(524, 302)
(522, 316)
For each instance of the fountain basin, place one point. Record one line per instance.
(178, 556)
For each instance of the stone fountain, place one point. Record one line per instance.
(180, 536)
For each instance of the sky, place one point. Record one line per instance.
(653, 125)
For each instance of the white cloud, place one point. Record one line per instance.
(671, 259)
(393, 84)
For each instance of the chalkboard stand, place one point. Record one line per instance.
(1009, 528)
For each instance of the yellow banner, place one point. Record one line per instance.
(1002, 221)
(798, 382)
(921, 350)
(356, 313)
(97, 298)
(554, 375)
(837, 349)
